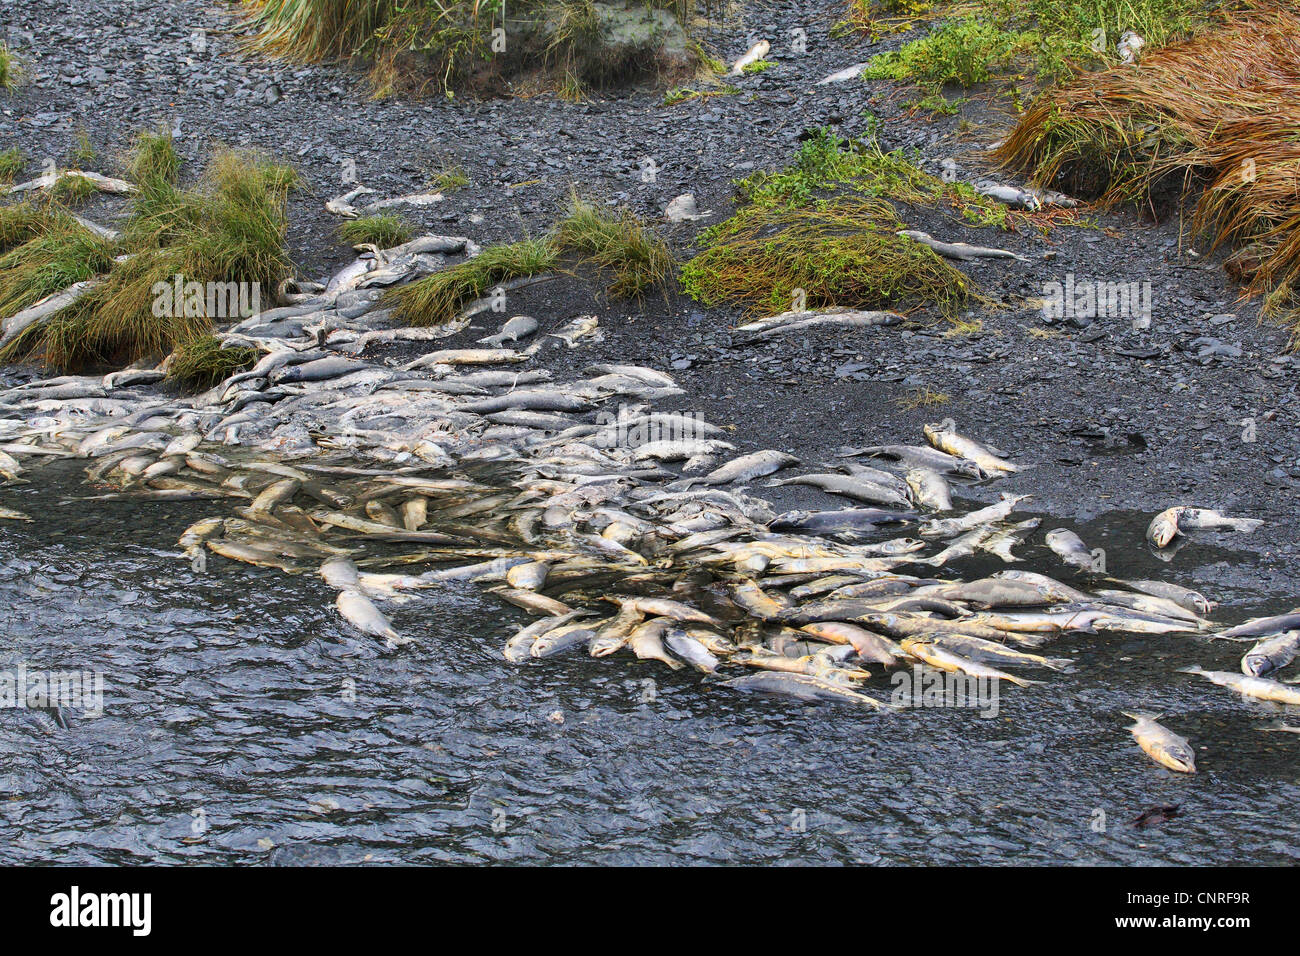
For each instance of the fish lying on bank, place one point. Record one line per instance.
(844, 75)
(1191, 600)
(514, 329)
(10, 514)
(805, 688)
(958, 250)
(344, 205)
(1161, 744)
(945, 659)
(921, 456)
(944, 436)
(1262, 626)
(751, 56)
(1178, 520)
(793, 321)
(105, 184)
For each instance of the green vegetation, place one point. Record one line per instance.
(82, 155)
(826, 226)
(964, 51)
(203, 362)
(681, 94)
(72, 191)
(841, 251)
(383, 230)
(57, 253)
(937, 104)
(23, 221)
(448, 44)
(229, 227)
(438, 298)
(877, 18)
(985, 38)
(616, 243)
(12, 161)
(825, 161)
(449, 178)
(10, 69)
(619, 243)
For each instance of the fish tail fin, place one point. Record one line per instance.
(1140, 715)
(1193, 669)
(1058, 663)
(1025, 682)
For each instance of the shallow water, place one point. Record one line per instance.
(244, 722)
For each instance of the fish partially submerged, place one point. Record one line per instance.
(1070, 548)
(1180, 519)
(1261, 688)
(803, 687)
(1271, 654)
(1161, 744)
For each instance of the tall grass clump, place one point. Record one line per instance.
(10, 69)
(383, 230)
(618, 243)
(436, 299)
(615, 242)
(841, 251)
(1217, 113)
(449, 44)
(203, 362)
(229, 227)
(12, 161)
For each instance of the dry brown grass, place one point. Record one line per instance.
(1219, 112)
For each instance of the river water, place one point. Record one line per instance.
(244, 722)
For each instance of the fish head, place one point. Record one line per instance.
(1164, 527)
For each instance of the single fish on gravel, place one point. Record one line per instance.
(958, 250)
(515, 328)
(751, 56)
(944, 436)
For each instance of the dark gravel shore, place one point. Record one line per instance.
(1106, 417)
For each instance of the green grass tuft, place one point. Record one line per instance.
(11, 70)
(842, 251)
(384, 230)
(58, 253)
(966, 52)
(72, 191)
(618, 243)
(12, 162)
(436, 299)
(203, 362)
(228, 228)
